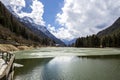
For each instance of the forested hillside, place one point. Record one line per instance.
(109, 37)
(39, 30)
(14, 32)
(113, 29)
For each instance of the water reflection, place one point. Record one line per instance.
(69, 68)
(58, 68)
(31, 69)
(62, 60)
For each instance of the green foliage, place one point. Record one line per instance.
(111, 40)
(48, 42)
(7, 20)
(95, 41)
(89, 41)
(109, 37)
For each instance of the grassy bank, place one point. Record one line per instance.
(10, 47)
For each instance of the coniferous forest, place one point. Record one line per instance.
(109, 37)
(12, 31)
(95, 41)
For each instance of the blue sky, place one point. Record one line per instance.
(51, 8)
(27, 7)
(68, 19)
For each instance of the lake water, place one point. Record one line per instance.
(64, 64)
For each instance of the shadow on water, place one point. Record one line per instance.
(116, 56)
(95, 64)
(29, 65)
(70, 68)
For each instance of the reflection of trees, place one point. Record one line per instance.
(29, 65)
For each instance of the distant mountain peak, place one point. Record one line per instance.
(69, 42)
(36, 28)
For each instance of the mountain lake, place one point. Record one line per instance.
(62, 63)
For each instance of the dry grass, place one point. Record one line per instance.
(8, 47)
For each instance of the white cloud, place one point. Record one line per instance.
(77, 17)
(59, 33)
(6, 2)
(51, 28)
(37, 9)
(85, 17)
(17, 5)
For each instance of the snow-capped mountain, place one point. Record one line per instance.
(38, 29)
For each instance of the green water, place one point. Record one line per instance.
(64, 64)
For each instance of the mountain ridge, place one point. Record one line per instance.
(111, 29)
(15, 32)
(38, 29)
(109, 37)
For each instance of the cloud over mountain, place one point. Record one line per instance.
(37, 9)
(6, 2)
(85, 17)
(76, 18)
